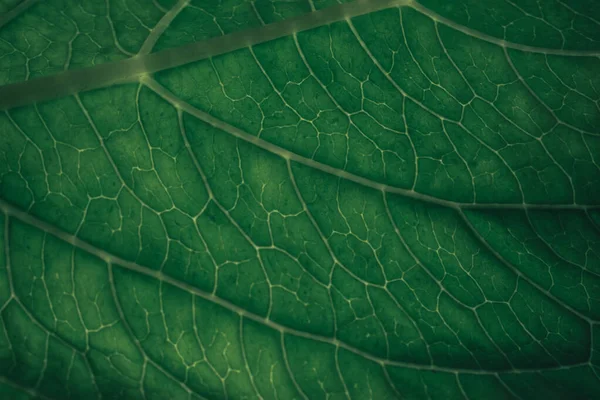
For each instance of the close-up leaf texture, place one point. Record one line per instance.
(299, 199)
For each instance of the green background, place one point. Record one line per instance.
(402, 203)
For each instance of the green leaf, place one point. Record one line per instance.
(288, 199)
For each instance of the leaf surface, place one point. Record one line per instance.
(299, 199)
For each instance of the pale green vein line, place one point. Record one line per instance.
(390, 382)
(258, 16)
(508, 388)
(552, 112)
(288, 368)
(440, 284)
(520, 274)
(8, 262)
(288, 155)
(128, 70)
(339, 373)
(111, 259)
(551, 248)
(595, 224)
(596, 373)
(245, 358)
(161, 26)
(31, 392)
(79, 80)
(335, 259)
(578, 13)
(460, 387)
(15, 12)
(136, 341)
(500, 42)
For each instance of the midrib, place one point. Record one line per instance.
(131, 69)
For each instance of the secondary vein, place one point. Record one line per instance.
(15, 12)
(131, 69)
(288, 155)
(111, 259)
